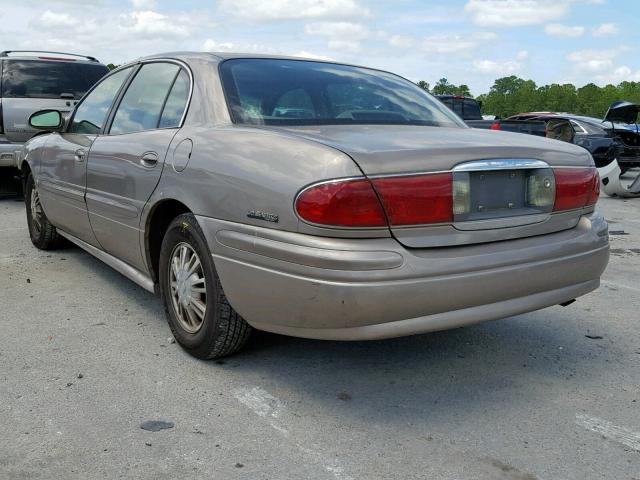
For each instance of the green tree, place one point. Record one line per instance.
(423, 85)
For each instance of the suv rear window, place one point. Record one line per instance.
(46, 79)
(467, 108)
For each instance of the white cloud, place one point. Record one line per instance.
(401, 41)
(210, 45)
(497, 67)
(559, 30)
(144, 4)
(51, 19)
(513, 13)
(343, 30)
(605, 29)
(455, 43)
(274, 10)
(617, 75)
(153, 24)
(345, 36)
(522, 55)
(593, 60)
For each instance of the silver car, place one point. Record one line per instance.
(31, 81)
(312, 199)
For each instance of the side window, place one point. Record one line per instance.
(91, 114)
(142, 103)
(176, 102)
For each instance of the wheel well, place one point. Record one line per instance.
(159, 219)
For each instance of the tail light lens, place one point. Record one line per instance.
(406, 200)
(576, 188)
(417, 199)
(343, 203)
(495, 126)
(432, 198)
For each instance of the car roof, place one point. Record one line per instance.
(221, 56)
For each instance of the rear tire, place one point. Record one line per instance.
(43, 235)
(200, 317)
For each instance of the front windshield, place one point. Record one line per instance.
(297, 92)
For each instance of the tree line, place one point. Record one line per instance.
(511, 95)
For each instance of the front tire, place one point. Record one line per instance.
(200, 317)
(43, 235)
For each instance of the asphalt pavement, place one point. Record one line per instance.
(86, 358)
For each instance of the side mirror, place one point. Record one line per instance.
(50, 120)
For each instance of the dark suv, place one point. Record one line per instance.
(32, 81)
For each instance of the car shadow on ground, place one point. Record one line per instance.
(473, 368)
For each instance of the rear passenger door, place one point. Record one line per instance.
(125, 164)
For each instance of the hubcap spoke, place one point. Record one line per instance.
(36, 210)
(187, 287)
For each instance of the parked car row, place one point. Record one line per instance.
(469, 110)
(614, 137)
(309, 198)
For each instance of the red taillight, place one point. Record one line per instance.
(417, 199)
(343, 203)
(576, 188)
(407, 200)
(495, 126)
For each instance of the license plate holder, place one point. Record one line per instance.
(490, 194)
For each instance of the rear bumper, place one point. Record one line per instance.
(355, 289)
(9, 154)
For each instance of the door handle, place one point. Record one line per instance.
(79, 154)
(149, 159)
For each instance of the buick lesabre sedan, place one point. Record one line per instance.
(311, 199)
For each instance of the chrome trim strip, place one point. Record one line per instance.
(118, 265)
(500, 164)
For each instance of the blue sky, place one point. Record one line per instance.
(466, 41)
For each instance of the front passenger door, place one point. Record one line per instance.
(63, 169)
(125, 165)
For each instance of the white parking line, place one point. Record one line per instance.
(265, 405)
(621, 435)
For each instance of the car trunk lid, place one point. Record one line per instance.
(494, 166)
(622, 112)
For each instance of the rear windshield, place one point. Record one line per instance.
(467, 108)
(297, 92)
(46, 79)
